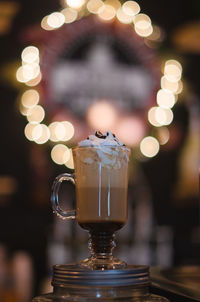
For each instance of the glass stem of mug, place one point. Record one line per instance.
(101, 244)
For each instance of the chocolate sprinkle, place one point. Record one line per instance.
(99, 134)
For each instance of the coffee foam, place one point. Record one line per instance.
(108, 150)
(101, 140)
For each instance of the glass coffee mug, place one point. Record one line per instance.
(101, 181)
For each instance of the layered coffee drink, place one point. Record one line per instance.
(101, 181)
(101, 176)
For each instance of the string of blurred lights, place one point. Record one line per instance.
(29, 73)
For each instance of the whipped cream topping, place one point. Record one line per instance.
(100, 140)
(106, 148)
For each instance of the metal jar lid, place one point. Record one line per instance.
(65, 275)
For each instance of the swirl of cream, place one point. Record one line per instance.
(106, 147)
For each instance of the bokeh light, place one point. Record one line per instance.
(180, 87)
(176, 97)
(37, 132)
(30, 54)
(55, 20)
(70, 14)
(142, 21)
(35, 81)
(142, 25)
(165, 98)
(31, 71)
(164, 116)
(93, 6)
(23, 110)
(131, 8)
(28, 131)
(20, 75)
(45, 25)
(61, 131)
(130, 130)
(152, 117)
(163, 135)
(43, 135)
(30, 98)
(143, 32)
(27, 72)
(149, 146)
(107, 12)
(60, 154)
(101, 115)
(36, 61)
(168, 85)
(114, 3)
(36, 114)
(75, 3)
(70, 163)
(173, 70)
(53, 132)
(69, 130)
(174, 63)
(123, 17)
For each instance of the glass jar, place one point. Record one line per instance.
(73, 283)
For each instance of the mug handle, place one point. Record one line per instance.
(70, 214)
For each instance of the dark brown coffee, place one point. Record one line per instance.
(101, 204)
(100, 226)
